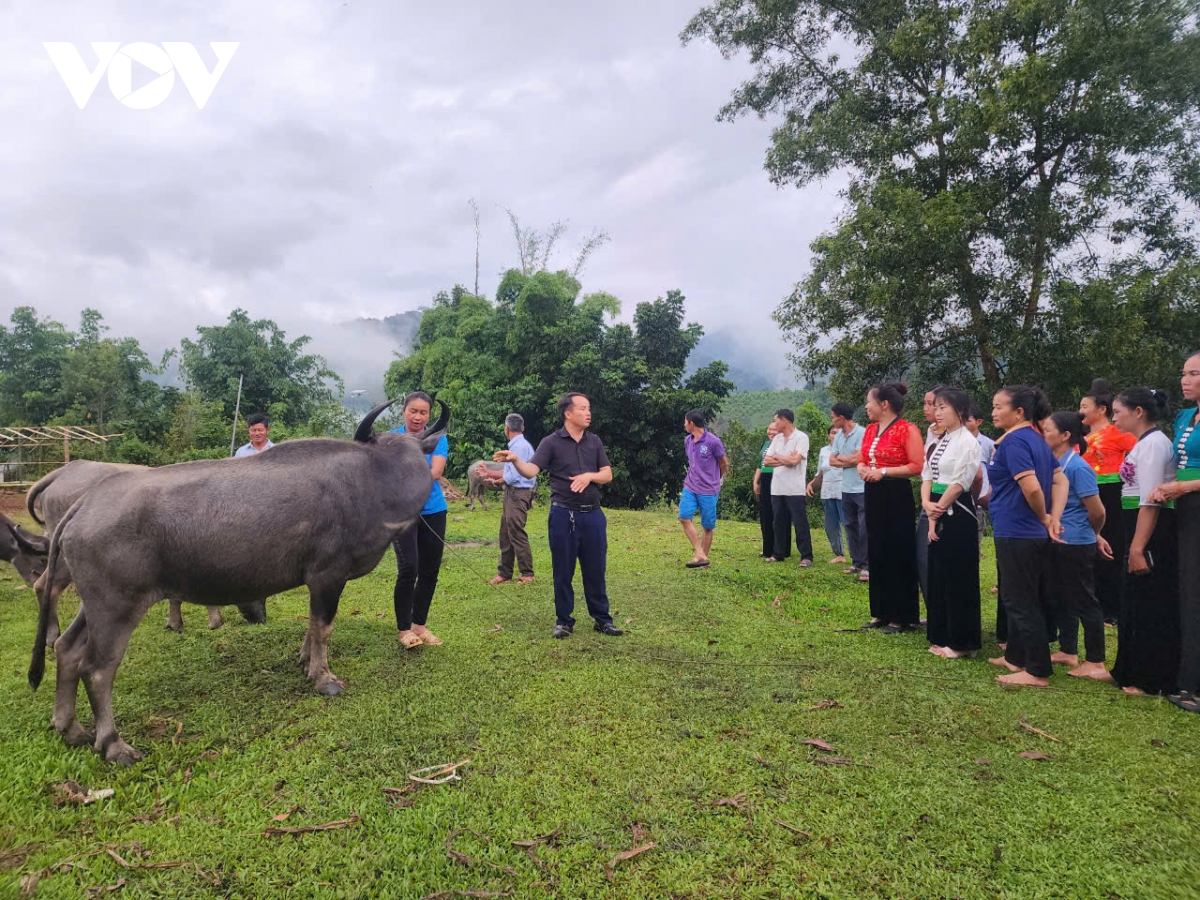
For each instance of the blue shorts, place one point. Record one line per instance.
(689, 503)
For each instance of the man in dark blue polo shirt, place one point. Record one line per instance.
(576, 462)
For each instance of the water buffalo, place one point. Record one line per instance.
(477, 486)
(49, 500)
(24, 549)
(316, 512)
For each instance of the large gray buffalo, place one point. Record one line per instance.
(48, 501)
(315, 512)
(477, 486)
(24, 549)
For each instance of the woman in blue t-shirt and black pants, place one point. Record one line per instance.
(419, 547)
(1023, 473)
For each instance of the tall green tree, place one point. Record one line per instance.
(542, 339)
(1010, 160)
(279, 375)
(102, 378)
(33, 352)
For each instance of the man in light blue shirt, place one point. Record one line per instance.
(518, 498)
(844, 454)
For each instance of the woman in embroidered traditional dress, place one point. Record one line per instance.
(1185, 490)
(1148, 638)
(951, 468)
(891, 454)
(1106, 449)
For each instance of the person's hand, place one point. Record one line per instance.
(862, 469)
(757, 489)
(770, 460)
(1168, 490)
(809, 490)
(933, 535)
(580, 482)
(1104, 547)
(1053, 528)
(482, 471)
(1137, 562)
(873, 475)
(932, 509)
(504, 456)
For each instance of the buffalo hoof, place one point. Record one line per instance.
(176, 627)
(78, 736)
(331, 688)
(254, 613)
(121, 753)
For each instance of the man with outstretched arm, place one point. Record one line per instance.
(576, 462)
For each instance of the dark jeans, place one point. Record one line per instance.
(766, 514)
(1074, 568)
(854, 516)
(514, 542)
(1187, 515)
(833, 524)
(579, 537)
(923, 555)
(791, 510)
(1024, 564)
(419, 551)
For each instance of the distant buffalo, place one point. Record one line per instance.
(477, 486)
(24, 549)
(316, 512)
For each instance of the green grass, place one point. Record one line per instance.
(710, 695)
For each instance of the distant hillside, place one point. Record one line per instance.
(361, 350)
(754, 409)
(753, 365)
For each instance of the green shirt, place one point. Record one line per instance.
(766, 470)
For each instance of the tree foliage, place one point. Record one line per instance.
(1017, 167)
(541, 339)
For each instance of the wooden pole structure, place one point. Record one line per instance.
(236, 409)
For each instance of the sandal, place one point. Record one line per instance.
(697, 564)
(428, 637)
(863, 577)
(410, 639)
(1185, 700)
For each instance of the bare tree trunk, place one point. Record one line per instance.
(475, 213)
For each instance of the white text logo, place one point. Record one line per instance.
(164, 61)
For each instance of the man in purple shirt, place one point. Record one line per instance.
(706, 467)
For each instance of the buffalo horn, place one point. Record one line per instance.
(365, 427)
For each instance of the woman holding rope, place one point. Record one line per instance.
(419, 547)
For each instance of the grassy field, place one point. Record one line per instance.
(688, 733)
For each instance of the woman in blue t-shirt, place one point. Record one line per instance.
(1024, 476)
(419, 547)
(1074, 560)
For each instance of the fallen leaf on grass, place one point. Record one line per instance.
(15, 858)
(356, 612)
(628, 620)
(74, 793)
(107, 889)
(793, 829)
(305, 829)
(284, 816)
(762, 762)
(128, 865)
(447, 895)
(531, 847)
(626, 855)
(469, 861)
(820, 745)
(983, 762)
(28, 884)
(1034, 754)
(826, 704)
(777, 602)
(438, 774)
(641, 833)
(1049, 785)
(1158, 743)
(1047, 735)
(737, 801)
(832, 760)
(494, 629)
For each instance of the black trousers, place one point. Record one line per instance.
(419, 551)
(791, 511)
(1187, 518)
(922, 533)
(1148, 650)
(766, 514)
(579, 538)
(1024, 565)
(1110, 573)
(952, 605)
(892, 550)
(1073, 567)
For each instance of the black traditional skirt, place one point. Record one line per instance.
(892, 551)
(953, 602)
(1148, 637)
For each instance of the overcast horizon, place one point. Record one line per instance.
(328, 176)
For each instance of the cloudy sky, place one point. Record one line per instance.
(329, 174)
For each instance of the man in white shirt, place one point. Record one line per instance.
(828, 484)
(259, 427)
(788, 454)
(846, 445)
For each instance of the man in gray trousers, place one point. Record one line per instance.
(518, 498)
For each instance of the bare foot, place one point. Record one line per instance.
(500, 579)
(837, 559)
(995, 590)
(958, 654)
(1064, 659)
(1005, 664)
(1022, 679)
(1134, 692)
(1091, 670)
(1003, 645)
(936, 650)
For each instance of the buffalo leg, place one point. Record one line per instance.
(323, 601)
(175, 616)
(69, 655)
(104, 650)
(255, 613)
(62, 580)
(214, 617)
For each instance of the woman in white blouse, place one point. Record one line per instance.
(1148, 638)
(951, 468)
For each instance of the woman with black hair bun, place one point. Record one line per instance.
(1185, 491)
(1073, 562)
(1106, 448)
(891, 455)
(1148, 638)
(1029, 492)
